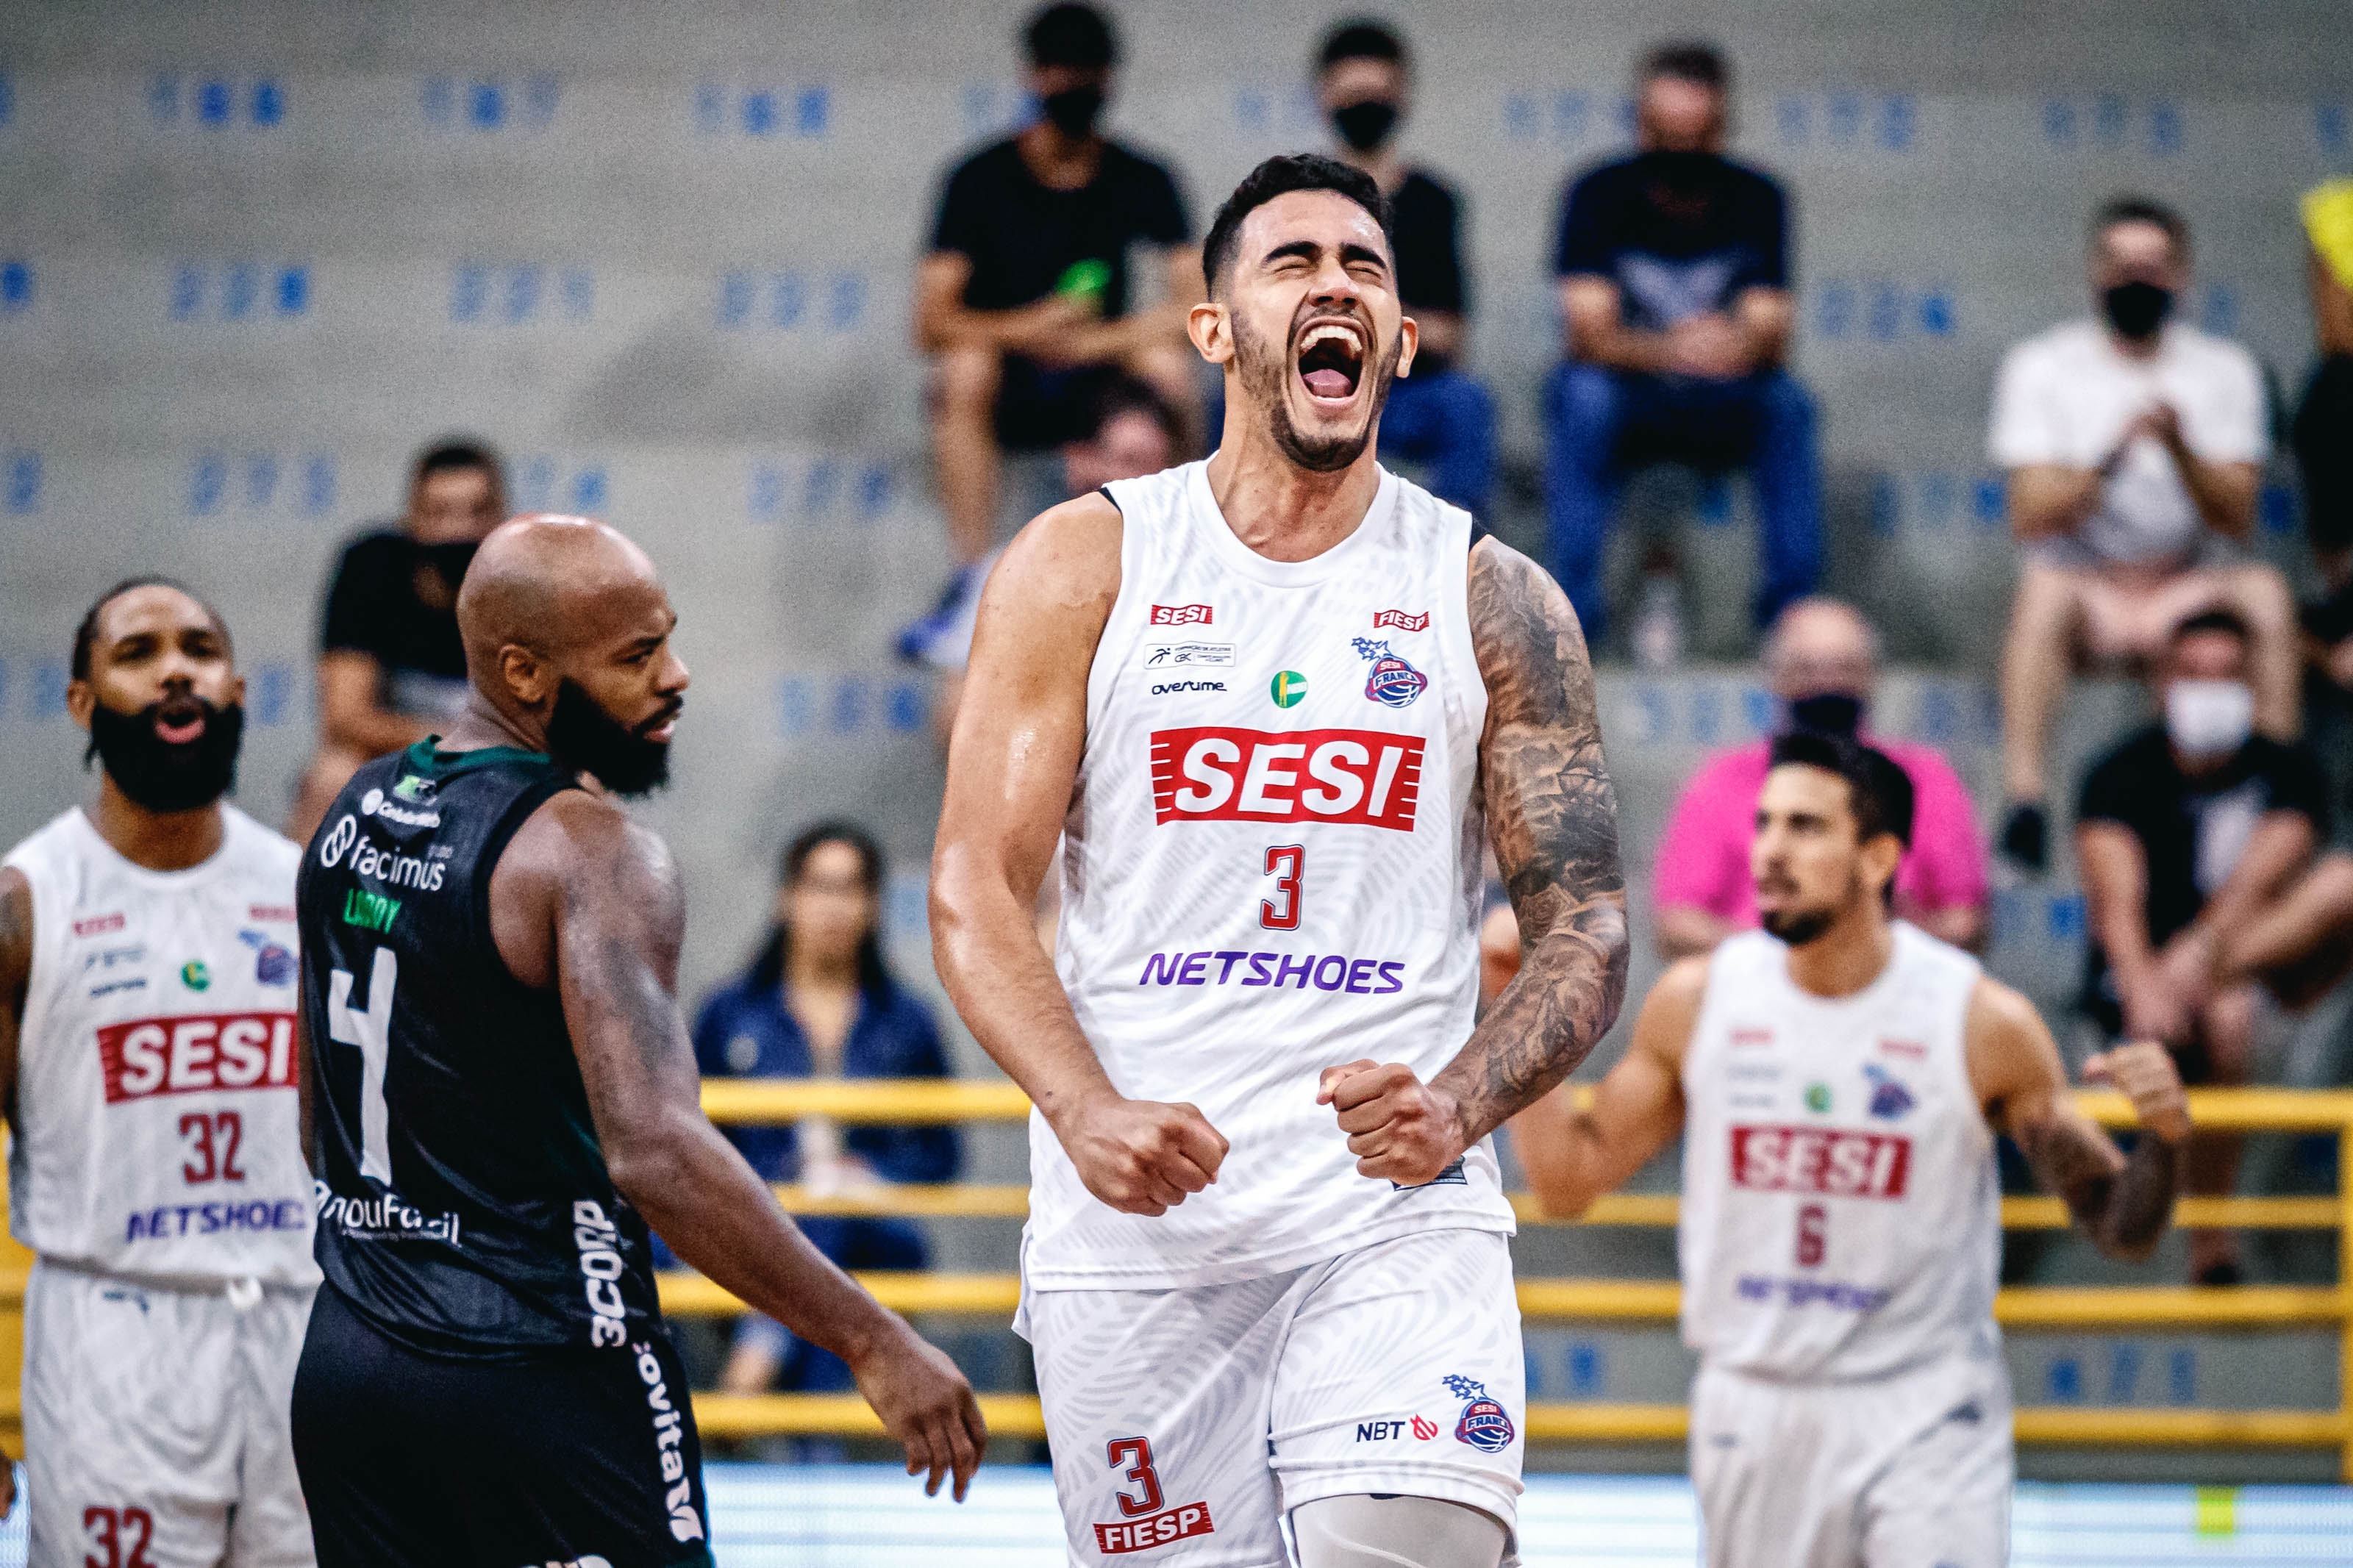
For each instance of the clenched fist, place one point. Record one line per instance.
(1399, 1128)
(1140, 1156)
(2144, 1072)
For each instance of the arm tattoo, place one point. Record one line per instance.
(2123, 1209)
(1554, 821)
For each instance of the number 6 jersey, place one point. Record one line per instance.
(158, 1115)
(1270, 866)
(464, 1203)
(1841, 1213)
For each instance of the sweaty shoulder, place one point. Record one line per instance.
(577, 851)
(1065, 561)
(1670, 1012)
(2007, 1045)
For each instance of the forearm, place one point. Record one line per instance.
(2224, 493)
(1560, 1151)
(1571, 984)
(1004, 987)
(2128, 1212)
(1618, 347)
(2050, 502)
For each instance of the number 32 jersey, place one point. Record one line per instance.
(1270, 865)
(1841, 1213)
(157, 1107)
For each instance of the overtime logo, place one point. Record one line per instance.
(1824, 1160)
(197, 1055)
(1182, 615)
(1367, 777)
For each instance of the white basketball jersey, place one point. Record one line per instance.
(158, 1113)
(1840, 1215)
(1270, 866)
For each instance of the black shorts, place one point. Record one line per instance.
(1038, 409)
(573, 1457)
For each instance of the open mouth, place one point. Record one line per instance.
(662, 726)
(179, 720)
(1332, 360)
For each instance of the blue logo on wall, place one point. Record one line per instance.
(216, 103)
(517, 294)
(1484, 1423)
(1889, 1098)
(489, 103)
(259, 484)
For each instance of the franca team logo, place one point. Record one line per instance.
(1484, 1423)
(1890, 1099)
(1393, 682)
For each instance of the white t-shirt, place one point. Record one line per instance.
(2064, 396)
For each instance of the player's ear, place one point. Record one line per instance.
(529, 679)
(80, 698)
(1882, 853)
(1409, 342)
(1212, 332)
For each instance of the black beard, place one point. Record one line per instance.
(1267, 373)
(1799, 927)
(585, 738)
(162, 775)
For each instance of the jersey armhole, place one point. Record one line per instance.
(494, 846)
(1104, 491)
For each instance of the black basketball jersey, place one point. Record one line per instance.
(464, 1203)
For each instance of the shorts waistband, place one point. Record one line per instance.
(247, 1287)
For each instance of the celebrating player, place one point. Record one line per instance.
(1839, 1079)
(1270, 699)
(505, 1087)
(148, 1057)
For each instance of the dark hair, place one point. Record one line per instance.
(1688, 61)
(454, 455)
(1121, 394)
(1279, 176)
(1362, 38)
(1069, 34)
(2226, 622)
(1879, 791)
(769, 965)
(86, 634)
(2142, 209)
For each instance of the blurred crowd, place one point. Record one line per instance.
(1050, 303)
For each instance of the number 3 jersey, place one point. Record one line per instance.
(1841, 1213)
(157, 1110)
(1270, 866)
(465, 1206)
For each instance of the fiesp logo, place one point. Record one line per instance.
(1182, 615)
(1400, 620)
(1214, 774)
(197, 1055)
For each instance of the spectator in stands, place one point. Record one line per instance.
(819, 1003)
(2324, 421)
(1440, 416)
(2188, 833)
(1025, 302)
(1674, 287)
(391, 669)
(2134, 446)
(1821, 662)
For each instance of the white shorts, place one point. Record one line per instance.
(1186, 1423)
(156, 1424)
(1909, 1471)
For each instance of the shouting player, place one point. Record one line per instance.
(149, 1059)
(1277, 702)
(507, 1099)
(1839, 1079)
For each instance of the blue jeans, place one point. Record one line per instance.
(1599, 422)
(1446, 420)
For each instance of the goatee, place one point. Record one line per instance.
(1799, 927)
(583, 737)
(163, 775)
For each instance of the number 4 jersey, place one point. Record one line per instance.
(1270, 866)
(465, 1206)
(1840, 1215)
(157, 1109)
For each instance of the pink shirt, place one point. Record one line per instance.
(1703, 854)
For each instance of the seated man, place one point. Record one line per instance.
(2324, 419)
(2134, 446)
(391, 668)
(2191, 835)
(1674, 287)
(1438, 415)
(1023, 300)
(1821, 660)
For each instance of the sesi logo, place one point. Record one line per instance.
(1823, 1160)
(1182, 615)
(1400, 620)
(1367, 777)
(194, 1055)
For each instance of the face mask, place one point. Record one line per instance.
(2137, 309)
(1827, 712)
(450, 560)
(1074, 110)
(2209, 718)
(166, 776)
(583, 736)
(1365, 125)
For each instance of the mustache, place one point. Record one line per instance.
(1353, 314)
(669, 710)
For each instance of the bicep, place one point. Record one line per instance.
(940, 280)
(2111, 861)
(2020, 1082)
(1589, 302)
(620, 914)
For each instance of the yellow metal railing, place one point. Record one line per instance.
(772, 1101)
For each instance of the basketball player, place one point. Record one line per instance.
(149, 1061)
(1278, 700)
(1839, 1079)
(507, 1100)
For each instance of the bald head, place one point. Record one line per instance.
(1820, 645)
(551, 603)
